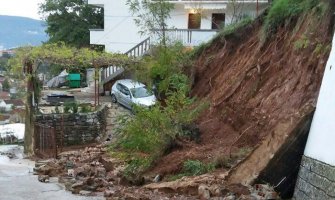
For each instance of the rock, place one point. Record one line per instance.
(82, 171)
(70, 172)
(271, 195)
(43, 170)
(78, 184)
(85, 193)
(203, 192)
(238, 189)
(109, 193)
(230, 197)
(157, 178)
(216, 190)
(100, 172)
(100, 182)
(43, 178)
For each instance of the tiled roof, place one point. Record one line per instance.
(15, 102)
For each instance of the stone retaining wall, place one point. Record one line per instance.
(316, 180)
(76, 129)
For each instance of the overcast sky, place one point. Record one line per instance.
(24, 8)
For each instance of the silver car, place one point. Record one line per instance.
(129, 92)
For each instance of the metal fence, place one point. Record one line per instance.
(45, 141)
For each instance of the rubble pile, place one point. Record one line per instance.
(92, 172)
(10, 155)
(237, 192)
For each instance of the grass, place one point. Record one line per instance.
(283, 10)
(193, 168)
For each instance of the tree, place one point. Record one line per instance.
(69, 21)
(151, 16)
(237, 8)
(6, 85)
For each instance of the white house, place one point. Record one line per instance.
(120, 33)
(8, 105)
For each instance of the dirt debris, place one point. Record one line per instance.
(91, 171)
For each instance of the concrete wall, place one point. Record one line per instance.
(76, 129)
(316, 176)
(121, 33)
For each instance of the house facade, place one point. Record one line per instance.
(192, 22)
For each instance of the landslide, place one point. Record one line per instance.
(258, 89)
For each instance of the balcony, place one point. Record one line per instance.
(188, 37)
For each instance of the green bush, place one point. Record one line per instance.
(147, 132)
(196, 167)
(301, 43)
(85, 108)
(164, 63)
(71, 107)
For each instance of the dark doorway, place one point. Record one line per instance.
(194, 21)
(218, 20)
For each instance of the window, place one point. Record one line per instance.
(194, 21)
(218, 20)
(123, 89)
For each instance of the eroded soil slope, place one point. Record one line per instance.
(256, 89)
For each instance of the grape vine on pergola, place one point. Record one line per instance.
(28, 59)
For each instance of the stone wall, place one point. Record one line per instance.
(76, 129)
(316, 180)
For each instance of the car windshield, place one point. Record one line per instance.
(140, 92)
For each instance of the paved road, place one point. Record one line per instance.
(18, 183)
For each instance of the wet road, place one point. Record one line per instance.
(17, 181)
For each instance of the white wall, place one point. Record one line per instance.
(120, 33)
(321, 139)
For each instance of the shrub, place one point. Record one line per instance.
(85, 108)
(301, 43)
(71, 107)
(196, 167)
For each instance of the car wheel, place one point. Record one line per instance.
(114, 100)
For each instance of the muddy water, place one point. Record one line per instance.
(18, 183)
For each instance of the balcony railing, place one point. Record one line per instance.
(188, 37)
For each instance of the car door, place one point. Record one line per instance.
(124, 96)
(118, 94)
(127, 97)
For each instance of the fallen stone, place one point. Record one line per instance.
(100, 172)
(203, 192)
(43, 178)
(43, 170)
(78, 184)
(230, 197)
(157, 178)
(85, 193)
(109, 193)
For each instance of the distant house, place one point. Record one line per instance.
(10, 104)
(4, 119)
(17, 103)
(17, 115)
(4, 96)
